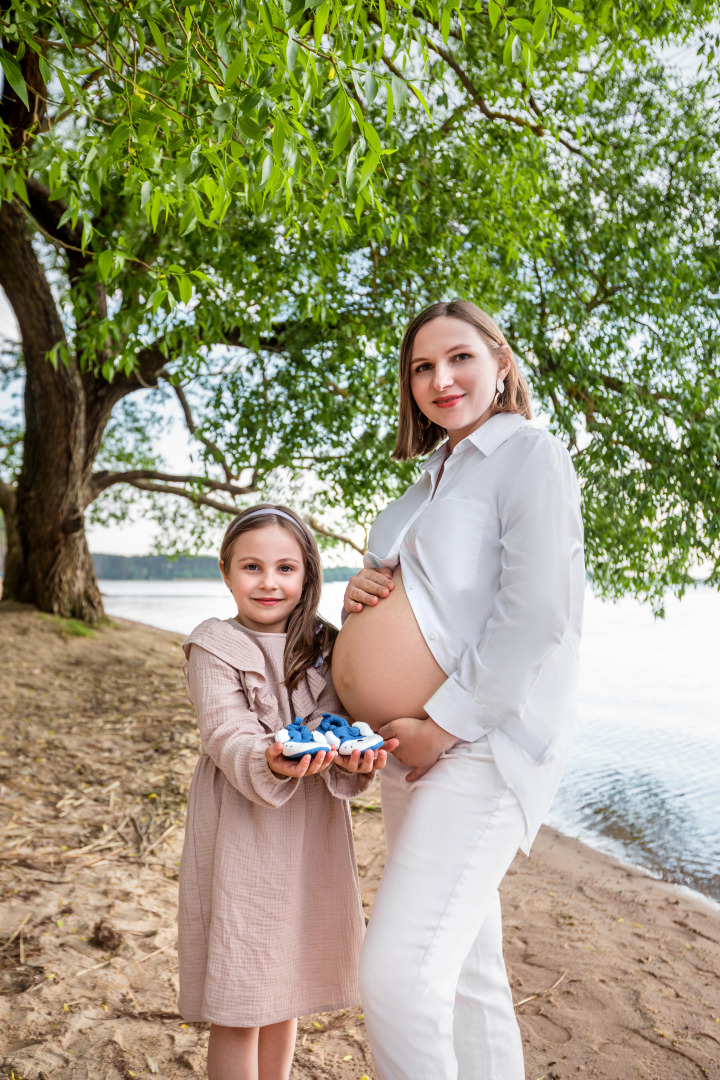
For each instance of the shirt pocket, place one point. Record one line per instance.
(450, 539)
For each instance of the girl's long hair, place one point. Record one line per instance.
(308, 634)
(416, 438)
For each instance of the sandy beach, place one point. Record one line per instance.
(616, 976)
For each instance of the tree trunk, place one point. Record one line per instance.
(48, 560)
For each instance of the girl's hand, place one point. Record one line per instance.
(367, 587)
(297, 767)
(421, 743)
(367, 762)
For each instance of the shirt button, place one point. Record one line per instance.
(433, 637)
(411, 586)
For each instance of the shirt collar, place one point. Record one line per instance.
(487, 438)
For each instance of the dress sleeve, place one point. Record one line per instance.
(231, 734)
(340, 783)
(539, 597)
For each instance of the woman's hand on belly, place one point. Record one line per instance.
(367, 587)
(421, 743)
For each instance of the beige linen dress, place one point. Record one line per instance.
(270, 919)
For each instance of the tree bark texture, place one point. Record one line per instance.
(48, 560)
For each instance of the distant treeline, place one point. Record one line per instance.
(160, 568)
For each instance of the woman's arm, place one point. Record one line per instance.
(538, 601)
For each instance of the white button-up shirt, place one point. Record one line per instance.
(492, 561)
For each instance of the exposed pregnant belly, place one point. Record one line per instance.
(381, 665)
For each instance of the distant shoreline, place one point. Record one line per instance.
(183, 568)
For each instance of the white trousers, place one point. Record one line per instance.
(432, 976)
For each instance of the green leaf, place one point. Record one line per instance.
(67, 88)
(267, 169)
(371, 87)
(118, 138)
(540, 25)
(145, 193)
(113, 26)
(223, 112)
(373, 138)
(185, 288)
(329, 94)
(176, 68)
(291, 52)
(494, 11)
(356, 152)
(320, 22)
(249, 128)
(234, 70)
(105, 262)
(382, 13)
(400, 90)
(343, 136)
(157, 37)
(369, 166)
(571, 16)
(14, 76)
(445, 24)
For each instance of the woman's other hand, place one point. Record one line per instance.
(367, 587)
(295, 768)
(421, 742)
(369, 761)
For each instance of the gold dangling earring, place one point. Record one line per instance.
(423, 421)
(500, 384)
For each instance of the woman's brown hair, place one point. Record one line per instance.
(308, 634)
(414, 439)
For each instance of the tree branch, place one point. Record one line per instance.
(183, 493)
(104, 479)
(318, 528)
(190, 423)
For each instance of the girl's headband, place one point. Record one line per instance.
(277, 513)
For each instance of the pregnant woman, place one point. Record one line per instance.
(463, 643)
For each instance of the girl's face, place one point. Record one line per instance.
(453, 375)
(266, 573)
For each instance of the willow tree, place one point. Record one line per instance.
(238, 206)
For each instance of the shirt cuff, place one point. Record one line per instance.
(456, 711)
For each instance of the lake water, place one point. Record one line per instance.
(643, 782)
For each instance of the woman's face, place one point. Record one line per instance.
(453, 375)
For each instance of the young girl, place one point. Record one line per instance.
(270, 921)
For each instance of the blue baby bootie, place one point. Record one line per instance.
(298, 740)
(346, 737)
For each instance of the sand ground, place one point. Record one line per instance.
(616, 976)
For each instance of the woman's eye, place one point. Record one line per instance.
(250, 566)
(420, 367)
(461, 356)
(287, 569)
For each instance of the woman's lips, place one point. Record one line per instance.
(447, 403)
(269, 602)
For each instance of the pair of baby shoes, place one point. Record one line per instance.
(333, 732)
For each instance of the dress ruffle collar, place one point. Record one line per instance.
(226, 639)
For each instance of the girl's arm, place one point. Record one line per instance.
(231, 733)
